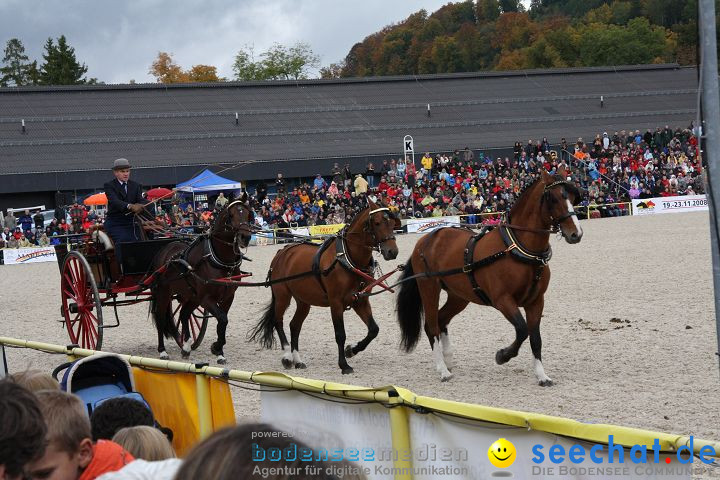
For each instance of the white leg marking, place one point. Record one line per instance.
(187, 347)
(296, 357)
(287, 359)
(447, 350)
(164, 355)
(221, 360)
(543, 379)
(440, 366)
(575, 220)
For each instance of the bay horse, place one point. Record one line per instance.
(189, 268)
(326, 278)
(506, 268)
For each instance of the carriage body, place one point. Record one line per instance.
(91, 277)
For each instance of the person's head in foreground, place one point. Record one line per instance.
(22, 430)
(144, 442)
(235, 452)
(70, 452)
(35, 380)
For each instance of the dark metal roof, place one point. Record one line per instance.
(165, 128)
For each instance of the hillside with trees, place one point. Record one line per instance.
(501, 35)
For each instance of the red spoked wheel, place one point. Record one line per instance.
(81, 306)
(197, 324)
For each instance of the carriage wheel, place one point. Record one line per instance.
(81, 306)
(198, 324)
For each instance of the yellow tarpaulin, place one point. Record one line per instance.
(173, 398)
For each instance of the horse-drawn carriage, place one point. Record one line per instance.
(92, 278)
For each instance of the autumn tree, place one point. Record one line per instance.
(203, 73)
(165, 70)
(334, 70)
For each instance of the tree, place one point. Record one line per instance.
(203, 73)
(334, 70)
(61, 66)
(278, 63)
(165, 70)
(17, 70)
(487, 11)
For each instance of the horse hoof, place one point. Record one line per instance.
(287, 363)
(164, 355)
(349, 351)
(302, 366)
(447, 377)
(185, 354)
(545, 383)
(221, 360)
(347, 371)
(500, 357)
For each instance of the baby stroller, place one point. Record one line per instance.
(97, 378)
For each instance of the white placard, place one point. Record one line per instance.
(15, 256)
(686, 203)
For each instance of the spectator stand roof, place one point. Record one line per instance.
(73, 134)
(207, 181)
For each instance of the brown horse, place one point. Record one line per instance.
(505, 268)
(189, 267)
(326, 277)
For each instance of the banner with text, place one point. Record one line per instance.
(15, 256)
(686, 203)
(424, 225)
(445, 447)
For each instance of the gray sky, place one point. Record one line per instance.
(118, 40)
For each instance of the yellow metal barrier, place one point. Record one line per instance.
(399, 399)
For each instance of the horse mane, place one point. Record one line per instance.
(523, 196)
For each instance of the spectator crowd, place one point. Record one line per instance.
(611, 169)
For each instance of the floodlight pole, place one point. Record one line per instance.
(711, 133)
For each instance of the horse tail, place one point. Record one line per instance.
(409, 308)
(263, 333)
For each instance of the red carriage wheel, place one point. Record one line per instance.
(197, 323)
(81, 306)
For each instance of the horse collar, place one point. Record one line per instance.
(523, 254)
(215, 260)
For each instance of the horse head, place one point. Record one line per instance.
(240, 218)
(381, 223)
(559, 196)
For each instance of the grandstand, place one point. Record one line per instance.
(71, 134)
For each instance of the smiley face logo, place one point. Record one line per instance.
(501, 453)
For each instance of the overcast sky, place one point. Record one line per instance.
(118, 40)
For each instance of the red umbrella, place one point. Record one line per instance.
(162, 193)
(97, 199)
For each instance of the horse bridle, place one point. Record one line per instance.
(555, 222)
(571, 212)
(371, 231)
(226, 227)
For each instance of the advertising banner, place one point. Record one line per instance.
(424, 225)
(326, 229)
(686, 203)
(15, 256)
(449, 447)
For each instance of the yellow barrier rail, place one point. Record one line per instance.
(396, 397)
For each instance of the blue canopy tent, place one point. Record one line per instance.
(207, 181)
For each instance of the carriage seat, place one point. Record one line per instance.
(99, 236)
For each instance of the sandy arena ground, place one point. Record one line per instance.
(654, 369)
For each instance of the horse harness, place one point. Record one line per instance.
(512, 246)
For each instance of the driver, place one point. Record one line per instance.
(124, 199)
